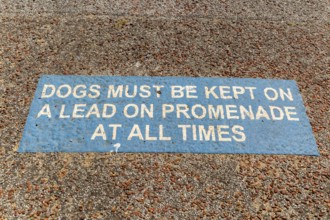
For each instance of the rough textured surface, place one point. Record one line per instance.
(272, 39)
(302, 10)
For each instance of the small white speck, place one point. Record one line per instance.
(117, 146)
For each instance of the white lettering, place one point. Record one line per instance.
(221, 131)
(135, 132)
(191, 91)
(135, 111)
(81, 94)
(76, 109)
(105, 108)
(114, 132)
(167, 108)
(206, 135)
(161, 134)
(148, 137)
(59, 91)
(145, 91)
(210, 91)
(231, 109)
(44, 91)
(45, 111)
(238, 90)
(62, 112)
(261, 113)
(271, 94)
(99, 132)
(273, 110)
(145, 110)
(94, 89)
(238, 130)
(94, 110)
(184, 131)
(287, 94)
(223, 91)
(115, 93)
(158, 90)
(288, 113)
(193, 111)
(177, 91)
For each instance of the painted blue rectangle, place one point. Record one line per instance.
(167, 114)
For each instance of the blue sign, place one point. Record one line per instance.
(167, 114)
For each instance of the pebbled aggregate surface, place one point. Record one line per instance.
(266, 39)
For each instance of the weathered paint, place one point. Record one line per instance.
(167, 114)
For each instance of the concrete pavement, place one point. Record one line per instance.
(267, 39)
